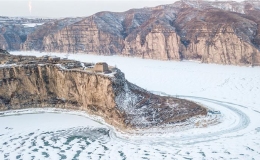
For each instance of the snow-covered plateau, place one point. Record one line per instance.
(233, 92)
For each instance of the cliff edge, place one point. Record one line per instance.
(38, 82)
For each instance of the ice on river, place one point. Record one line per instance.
(232, 90)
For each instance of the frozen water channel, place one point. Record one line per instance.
(232, 90)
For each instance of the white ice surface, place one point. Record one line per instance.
(32, 24)
(43, 121)
(232, 90)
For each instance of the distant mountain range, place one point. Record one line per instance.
(212, 32)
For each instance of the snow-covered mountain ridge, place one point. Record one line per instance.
(224, 32)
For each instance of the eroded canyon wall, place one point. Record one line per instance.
(211, 32)
(52, 82)
(37, 86)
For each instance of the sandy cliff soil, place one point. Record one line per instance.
(30, 82)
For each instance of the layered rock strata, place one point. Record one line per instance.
(211, 32)
(207, 31)
(31, 82)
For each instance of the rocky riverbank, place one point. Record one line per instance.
(39, 82)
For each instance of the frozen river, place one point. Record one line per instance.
(232, 90)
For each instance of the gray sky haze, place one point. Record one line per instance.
(70, 8)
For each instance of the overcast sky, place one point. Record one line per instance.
(71, 8)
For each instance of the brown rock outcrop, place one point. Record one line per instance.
(30, 82)
(212, 32)
(82, 37)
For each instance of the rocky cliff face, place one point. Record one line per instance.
(30, 82)
(14, 31)
(12, 36)
(46, 85)
(35, 40)
(212, 32)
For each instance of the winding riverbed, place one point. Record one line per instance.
(231, 90)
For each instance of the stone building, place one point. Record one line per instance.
(54, 58)
(101, 67)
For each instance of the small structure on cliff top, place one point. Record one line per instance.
(101, 67)
(54, 58)
(50, 58)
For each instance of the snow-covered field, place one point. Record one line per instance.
(32, 24)
(232, 90)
